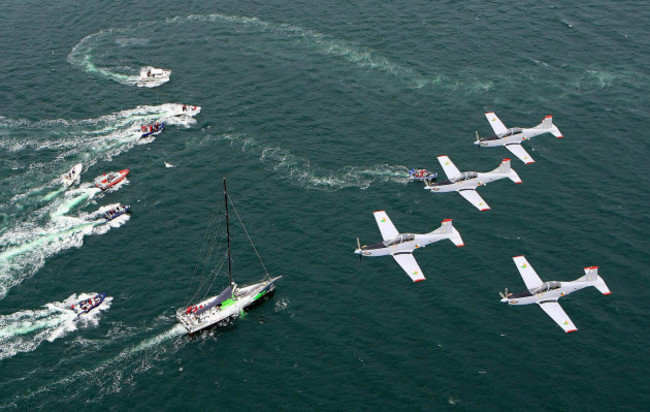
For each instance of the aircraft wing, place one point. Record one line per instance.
(386, 227)
(496, 123)
(528, 274)
(410, 265)
(555, 311)
(449, 167)
(474, 198)
(520, 152)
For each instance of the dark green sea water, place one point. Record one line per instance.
(315, 111)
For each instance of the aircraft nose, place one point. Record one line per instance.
(357, 251)
(504, 300)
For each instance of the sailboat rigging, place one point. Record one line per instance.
(232, 300)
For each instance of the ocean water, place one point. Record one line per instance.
(315, 112)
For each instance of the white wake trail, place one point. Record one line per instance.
(301, 172)
(25, 330)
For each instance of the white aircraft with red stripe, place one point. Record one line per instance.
(466, 183)
(402, 245)
(546, 294)
(512, 138)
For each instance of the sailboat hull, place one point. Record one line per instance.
(242, 299)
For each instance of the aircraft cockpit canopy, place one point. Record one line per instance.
(404, 237)
(545, 287)
(464, 176)
(510, 132)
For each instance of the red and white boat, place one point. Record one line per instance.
(111, 179)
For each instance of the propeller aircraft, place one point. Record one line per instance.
(402, 245)
(466, 183)
(512, 138)
(546, 294)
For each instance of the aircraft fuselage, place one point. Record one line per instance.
(480, 179)
(542, 293)
(404, 243)
(510, 137)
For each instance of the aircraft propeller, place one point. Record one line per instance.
(478, 140)
(504, 295)
(359, 249)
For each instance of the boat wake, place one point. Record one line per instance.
(471, 80)
(82, 55)
(35, 209)
(44, 150)
(27, 246)
(24, 331)
(112, 374)
(300, 171)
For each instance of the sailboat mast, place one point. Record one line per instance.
(225, 194)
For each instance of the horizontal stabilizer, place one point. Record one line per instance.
(556, 132)
(504, 168)
(448, 230)
(547, 123)
(591, 275)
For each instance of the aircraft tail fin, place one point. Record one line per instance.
(448, 230)
(547, 123)
(591, 275)
(504, 168)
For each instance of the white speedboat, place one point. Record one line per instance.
(154, 75)
(72, 176)
(185, 110)
(230, 302)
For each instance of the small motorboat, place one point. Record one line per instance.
(422, 175)
(152, 129)
(115, 212)
(111, 179)
(187, 110)
(154, 74)
(72, 176)
(86, 305)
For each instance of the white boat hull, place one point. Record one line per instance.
(244, 297)
(72, 176)
(185, 110)
(153, 74)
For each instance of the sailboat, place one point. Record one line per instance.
(232, 300)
